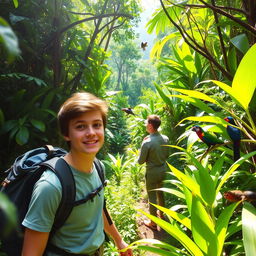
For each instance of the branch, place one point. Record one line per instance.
(110, 31)
(238, 21)
(196, 24)
(202, 51)
(115, 18)
(95, 18)
(220, 37)
(219, 7)
(117, 15)
(82, 13)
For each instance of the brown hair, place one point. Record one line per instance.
(77, 104)
(154, 120)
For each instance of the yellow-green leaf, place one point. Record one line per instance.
(186, 180)
(175, 215)
(196, 102)
(142, 243)
(249, 229)
(196, 94)
(158, 47)
(206, 119)
(176, 232)
(228, 89)
(222, 225)
(203, 228)
(16, 3)
(244, 82)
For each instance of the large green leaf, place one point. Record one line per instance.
(28, 78)
(241, 43)
(158, 251)
(172, 191)
(222, 224)
(196, 94)
(217, 168)
(186, 58)
(196, 102)
(186, 180)
(205, 182)
(163, 96)
(244, 82)
(22, 136)
(176, 232)
(175, 215)
(158, 247)
(203, 228)
(38, 124)
(207, 119)
(227, 89)
(188, 197)
(160, 21)
(249, 228)
(158, 46)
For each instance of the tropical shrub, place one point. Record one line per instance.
(202, 225)
(121, 194)
(118, 165)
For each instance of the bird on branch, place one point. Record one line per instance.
(206, 137)
(235, 135)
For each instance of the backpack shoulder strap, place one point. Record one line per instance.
(104, 183)
(101, 174)
(100, 171)
(62, 170)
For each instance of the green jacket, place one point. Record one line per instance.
(153, 152)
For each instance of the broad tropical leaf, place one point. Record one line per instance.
(249, 228)
(222, 224)
(207, 119)
(241, 43)
(203, 229)
(175, 215)
(174, 231)
(244, 82)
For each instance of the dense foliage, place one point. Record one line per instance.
(201, 71)
(62, 49)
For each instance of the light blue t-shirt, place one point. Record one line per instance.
(83, 230)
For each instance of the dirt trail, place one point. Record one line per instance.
(145, 232)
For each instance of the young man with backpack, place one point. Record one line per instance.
(82, 119)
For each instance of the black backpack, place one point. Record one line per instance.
(19, 183)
